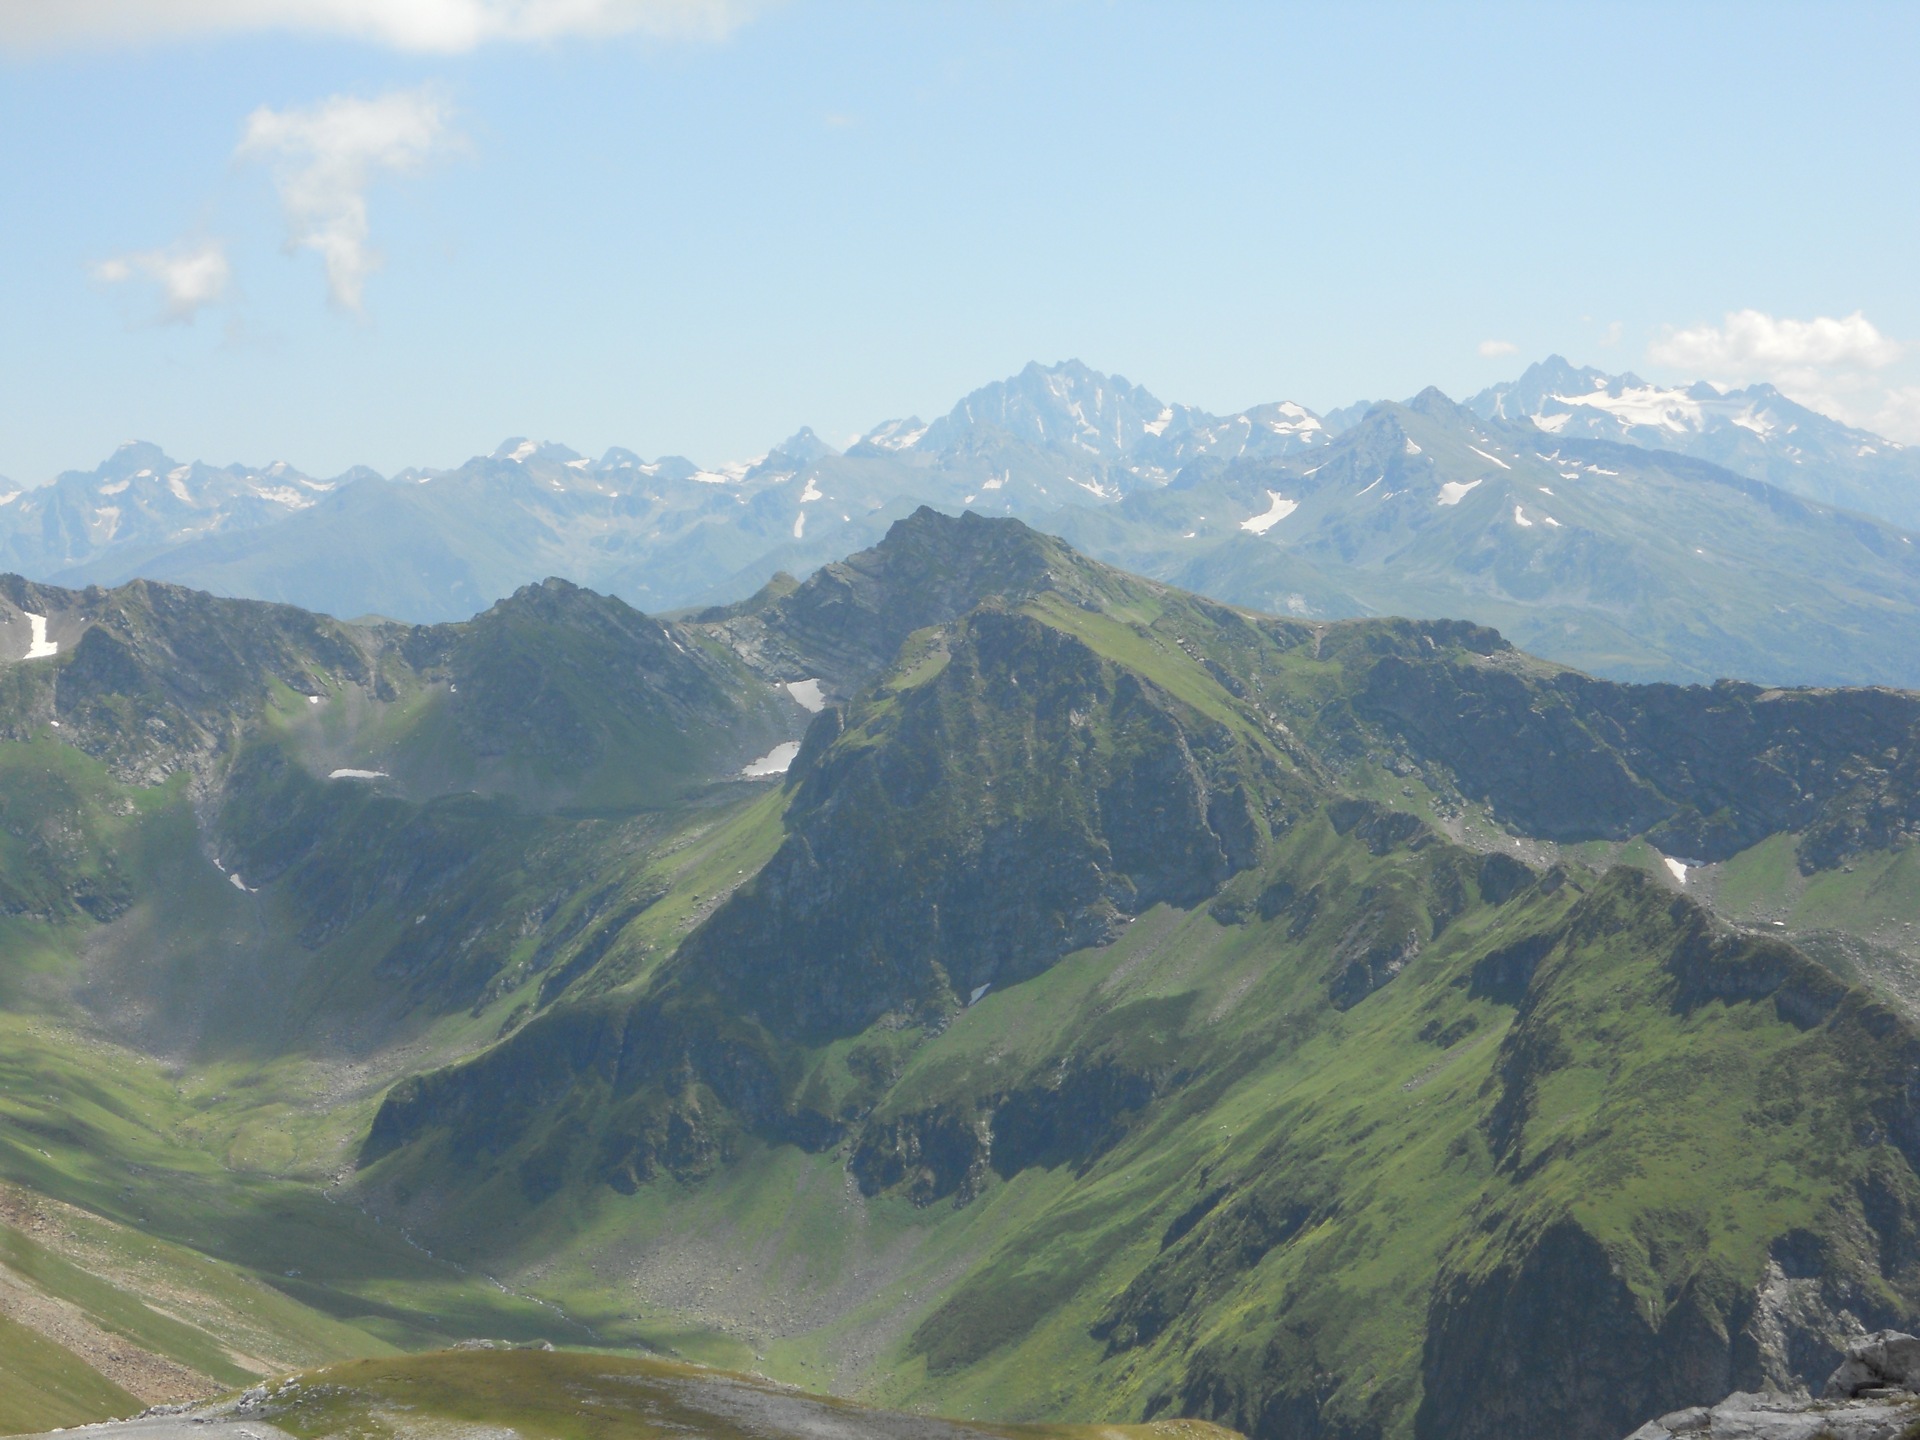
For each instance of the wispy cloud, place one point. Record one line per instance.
(420, 25)
(1494, 349)
(323, 160)
(1834, 365)
(190, 276)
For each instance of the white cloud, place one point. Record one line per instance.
(323, 159)
(190, 276)
(1494, 349)
(1896, 414)
(421, 25)
(1752, 343)
(1835, 366)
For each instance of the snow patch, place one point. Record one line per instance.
(10, 497)
(1494, 458)
(115, 488)
(1553, 424)
(1278, 508)
(357, 775)
(808, 695)
(800, 525)
(1454, 491)
(896, 435)
(812, 492)
(522, 451)
(1645, 405)
(776, 761)
(40, 648)
(1158, 425)
(1551, 521)
(1676, 868)
(1520, 518)
(1412, 449)
(978, 991)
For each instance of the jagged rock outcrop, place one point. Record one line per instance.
(1873, 1395)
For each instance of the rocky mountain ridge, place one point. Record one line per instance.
(1755, 431)
(1120, 1004)
(1625, 560)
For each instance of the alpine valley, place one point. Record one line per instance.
(974, 979)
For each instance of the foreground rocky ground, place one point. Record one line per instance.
(1873, 1395)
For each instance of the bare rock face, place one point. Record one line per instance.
(1873, 1395)
(1782, 1417)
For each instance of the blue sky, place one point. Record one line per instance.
(687, 227)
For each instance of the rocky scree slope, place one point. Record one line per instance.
(1163, 980)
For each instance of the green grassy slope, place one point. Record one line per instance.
(1127, 1006)
(213, 958)
(47, 1387)
(1334, 1114)
(561, 1396)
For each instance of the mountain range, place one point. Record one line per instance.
(1634, 532)
(1755, 431)
(974, 977)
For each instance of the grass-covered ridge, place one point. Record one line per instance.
(1126, 1007)
(1165, 981)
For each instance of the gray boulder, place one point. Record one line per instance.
(1886, 1360)
(1785, 1417)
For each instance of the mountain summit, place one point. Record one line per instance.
(1754, 431)
(1637, 532)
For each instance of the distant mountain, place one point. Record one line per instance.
(1627, 562)
(1098, 434)
(1756, 432)
(1639, 534)
(139, 502)
(433, 545)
